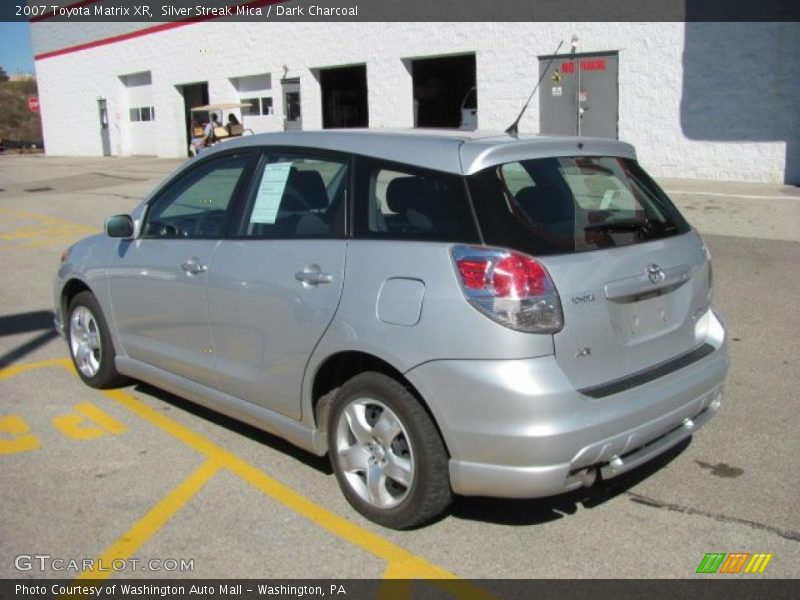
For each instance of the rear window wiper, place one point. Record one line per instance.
(621, 225)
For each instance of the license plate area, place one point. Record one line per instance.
(645, 319)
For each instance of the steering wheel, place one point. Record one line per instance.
(161, 229)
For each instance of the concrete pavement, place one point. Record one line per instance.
(755, 210)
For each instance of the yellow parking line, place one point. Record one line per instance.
(409, 565)
(42, 218)
(401, 563)
(12, 371)
(107, 422)
(150, 523)
(44, 232)
(21, 438)
(87, 423)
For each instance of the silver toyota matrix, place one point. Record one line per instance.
(441, 313)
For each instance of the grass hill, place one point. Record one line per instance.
(19, 126)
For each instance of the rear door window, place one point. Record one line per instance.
(571, 204)
(402, 202)
(297, 196)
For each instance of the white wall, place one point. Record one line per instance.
(656, 69)
(257, 86)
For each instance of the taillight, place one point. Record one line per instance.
(518, 276)
(473, 272)
(510, 288)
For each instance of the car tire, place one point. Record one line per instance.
(90, 344)
(387, 454)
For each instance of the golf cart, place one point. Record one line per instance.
(221, 133)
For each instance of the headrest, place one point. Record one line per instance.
(403, 193)
(530, 196)
(310, 186)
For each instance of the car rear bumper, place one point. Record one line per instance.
(519, 428)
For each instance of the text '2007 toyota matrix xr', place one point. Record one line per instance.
(440, 313)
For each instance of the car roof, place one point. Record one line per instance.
(452, 151)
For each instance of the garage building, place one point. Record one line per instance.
(699, 100)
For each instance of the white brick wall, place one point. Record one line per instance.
(710, 101)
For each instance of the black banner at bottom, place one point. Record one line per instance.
(397, 589)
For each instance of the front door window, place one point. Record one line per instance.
(195, 206)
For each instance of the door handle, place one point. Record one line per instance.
(193, 266)
(309, 277)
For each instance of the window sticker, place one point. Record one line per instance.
(270, 192)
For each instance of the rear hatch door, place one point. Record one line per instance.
(632, 275)
(628, 309)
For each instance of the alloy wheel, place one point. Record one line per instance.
(374, 452)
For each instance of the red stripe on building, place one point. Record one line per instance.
(146, 31)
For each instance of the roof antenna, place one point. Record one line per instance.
(514, 129)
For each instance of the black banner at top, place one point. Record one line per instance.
(161, 11)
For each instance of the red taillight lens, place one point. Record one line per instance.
(508, 287)
(518, 276)
(473, 272)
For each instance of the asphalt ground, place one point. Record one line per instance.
(141, 476)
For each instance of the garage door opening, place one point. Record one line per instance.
(194, 94)
(444, 92)
(344, 97)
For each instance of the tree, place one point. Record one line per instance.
(18, 121)
(3, 75)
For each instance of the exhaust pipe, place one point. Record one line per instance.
(587, 476)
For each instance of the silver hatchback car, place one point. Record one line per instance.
(465, 313)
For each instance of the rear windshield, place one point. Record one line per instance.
(571, 204)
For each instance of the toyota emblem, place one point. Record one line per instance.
(655, 273)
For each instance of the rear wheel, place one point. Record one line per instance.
(386, 453)
(90, 343)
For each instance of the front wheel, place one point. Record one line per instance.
(90, 344)
(387, 455)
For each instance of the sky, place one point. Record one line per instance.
(16, 54)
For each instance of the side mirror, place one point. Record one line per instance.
(119, 226)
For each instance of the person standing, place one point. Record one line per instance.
(209, 131)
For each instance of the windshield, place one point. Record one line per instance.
(571, 204)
